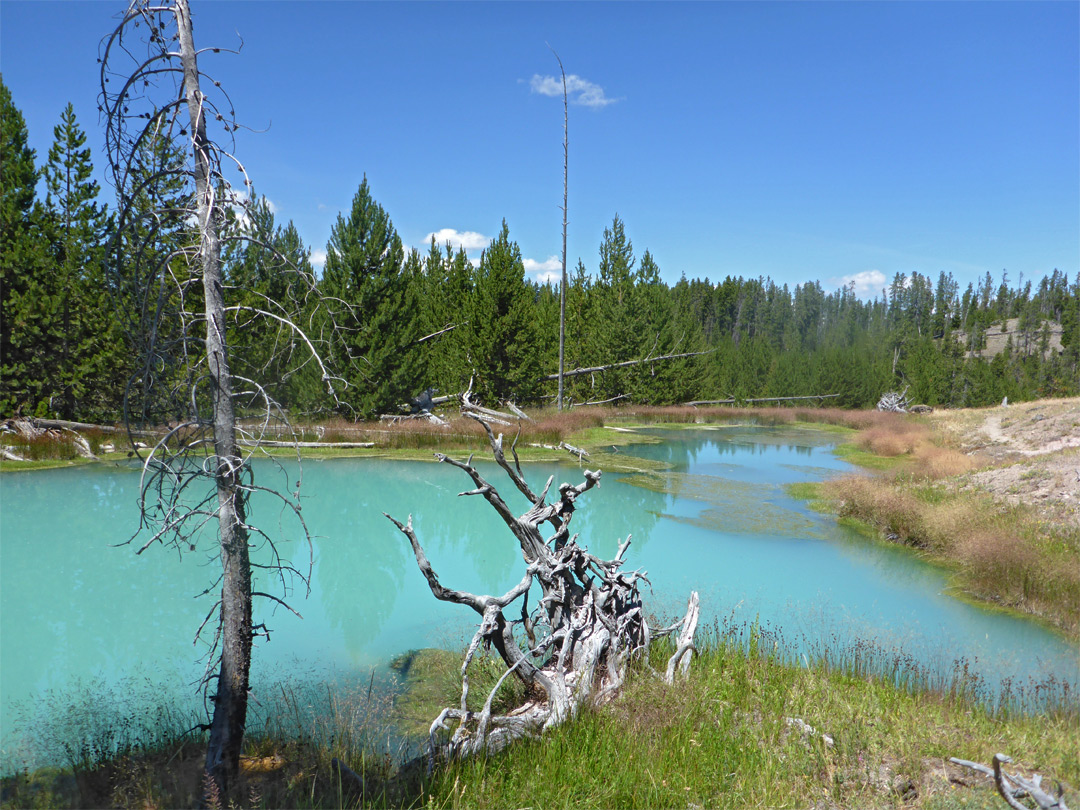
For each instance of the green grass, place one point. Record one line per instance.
(727, 736)
(860, 457)
(724, 738)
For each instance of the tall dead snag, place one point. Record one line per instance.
(578, 640)
(174, 197)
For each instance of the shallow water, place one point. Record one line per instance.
(77, 608)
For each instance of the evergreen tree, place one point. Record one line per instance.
(269, 270)
(616, 323)
(153, 284)
(379, 308)
(28, 287)
(503, 335)
(90, 369)
(446, 292)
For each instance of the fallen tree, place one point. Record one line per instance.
(894, 401)
(577, 372)
(580, 637)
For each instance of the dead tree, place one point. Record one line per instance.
(565, 187)
(577, 372)
(894, 401)
(577, 642)
(169, 138)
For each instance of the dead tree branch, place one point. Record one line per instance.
(588, 623)
(1014, 787)
(577, 372)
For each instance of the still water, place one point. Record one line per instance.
(77, 608)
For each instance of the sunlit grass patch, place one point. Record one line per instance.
(749, 727)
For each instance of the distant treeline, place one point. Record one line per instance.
(391, 322)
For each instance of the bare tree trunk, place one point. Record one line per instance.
(230, 705)
(562, 285)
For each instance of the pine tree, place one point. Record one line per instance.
(89, 365)
(269, 271)
(503, 337)
(366, 271)
(151, 281)
(28, 288)
(446, 290)
(615, 318)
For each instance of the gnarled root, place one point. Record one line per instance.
(581, 635)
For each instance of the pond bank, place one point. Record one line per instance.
(1001, 512)
(747, 728)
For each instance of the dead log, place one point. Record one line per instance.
(569, 448)
(599, 401)
(789, 399)
(577, 372)
(268, 443)
(64, 424)
(427, 416)
(586, 627)
(1014, 787)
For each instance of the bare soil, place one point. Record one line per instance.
(1027, 453)
(997, 339)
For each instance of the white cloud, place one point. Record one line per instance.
(470, 240)
(547, 271)
(273, 206)
(318, 259)
(866, 282)
(579, 90)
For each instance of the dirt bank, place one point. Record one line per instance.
(1027, 453)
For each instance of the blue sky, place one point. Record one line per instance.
(799, 141)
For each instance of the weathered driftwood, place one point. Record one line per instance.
(587, 625)
(733, 400)
(487, 415)
(31, 429)
(894, 401)
(569, 448)
(427, 416)
(1014, 787)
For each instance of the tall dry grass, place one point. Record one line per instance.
(999, 553)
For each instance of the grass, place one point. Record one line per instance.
(1001, 554)
(728, 736)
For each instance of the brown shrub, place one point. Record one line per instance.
(1000, 562)
(936, 462)
(880, 503)
(898, 438)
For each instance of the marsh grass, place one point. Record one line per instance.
(1002, 554)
